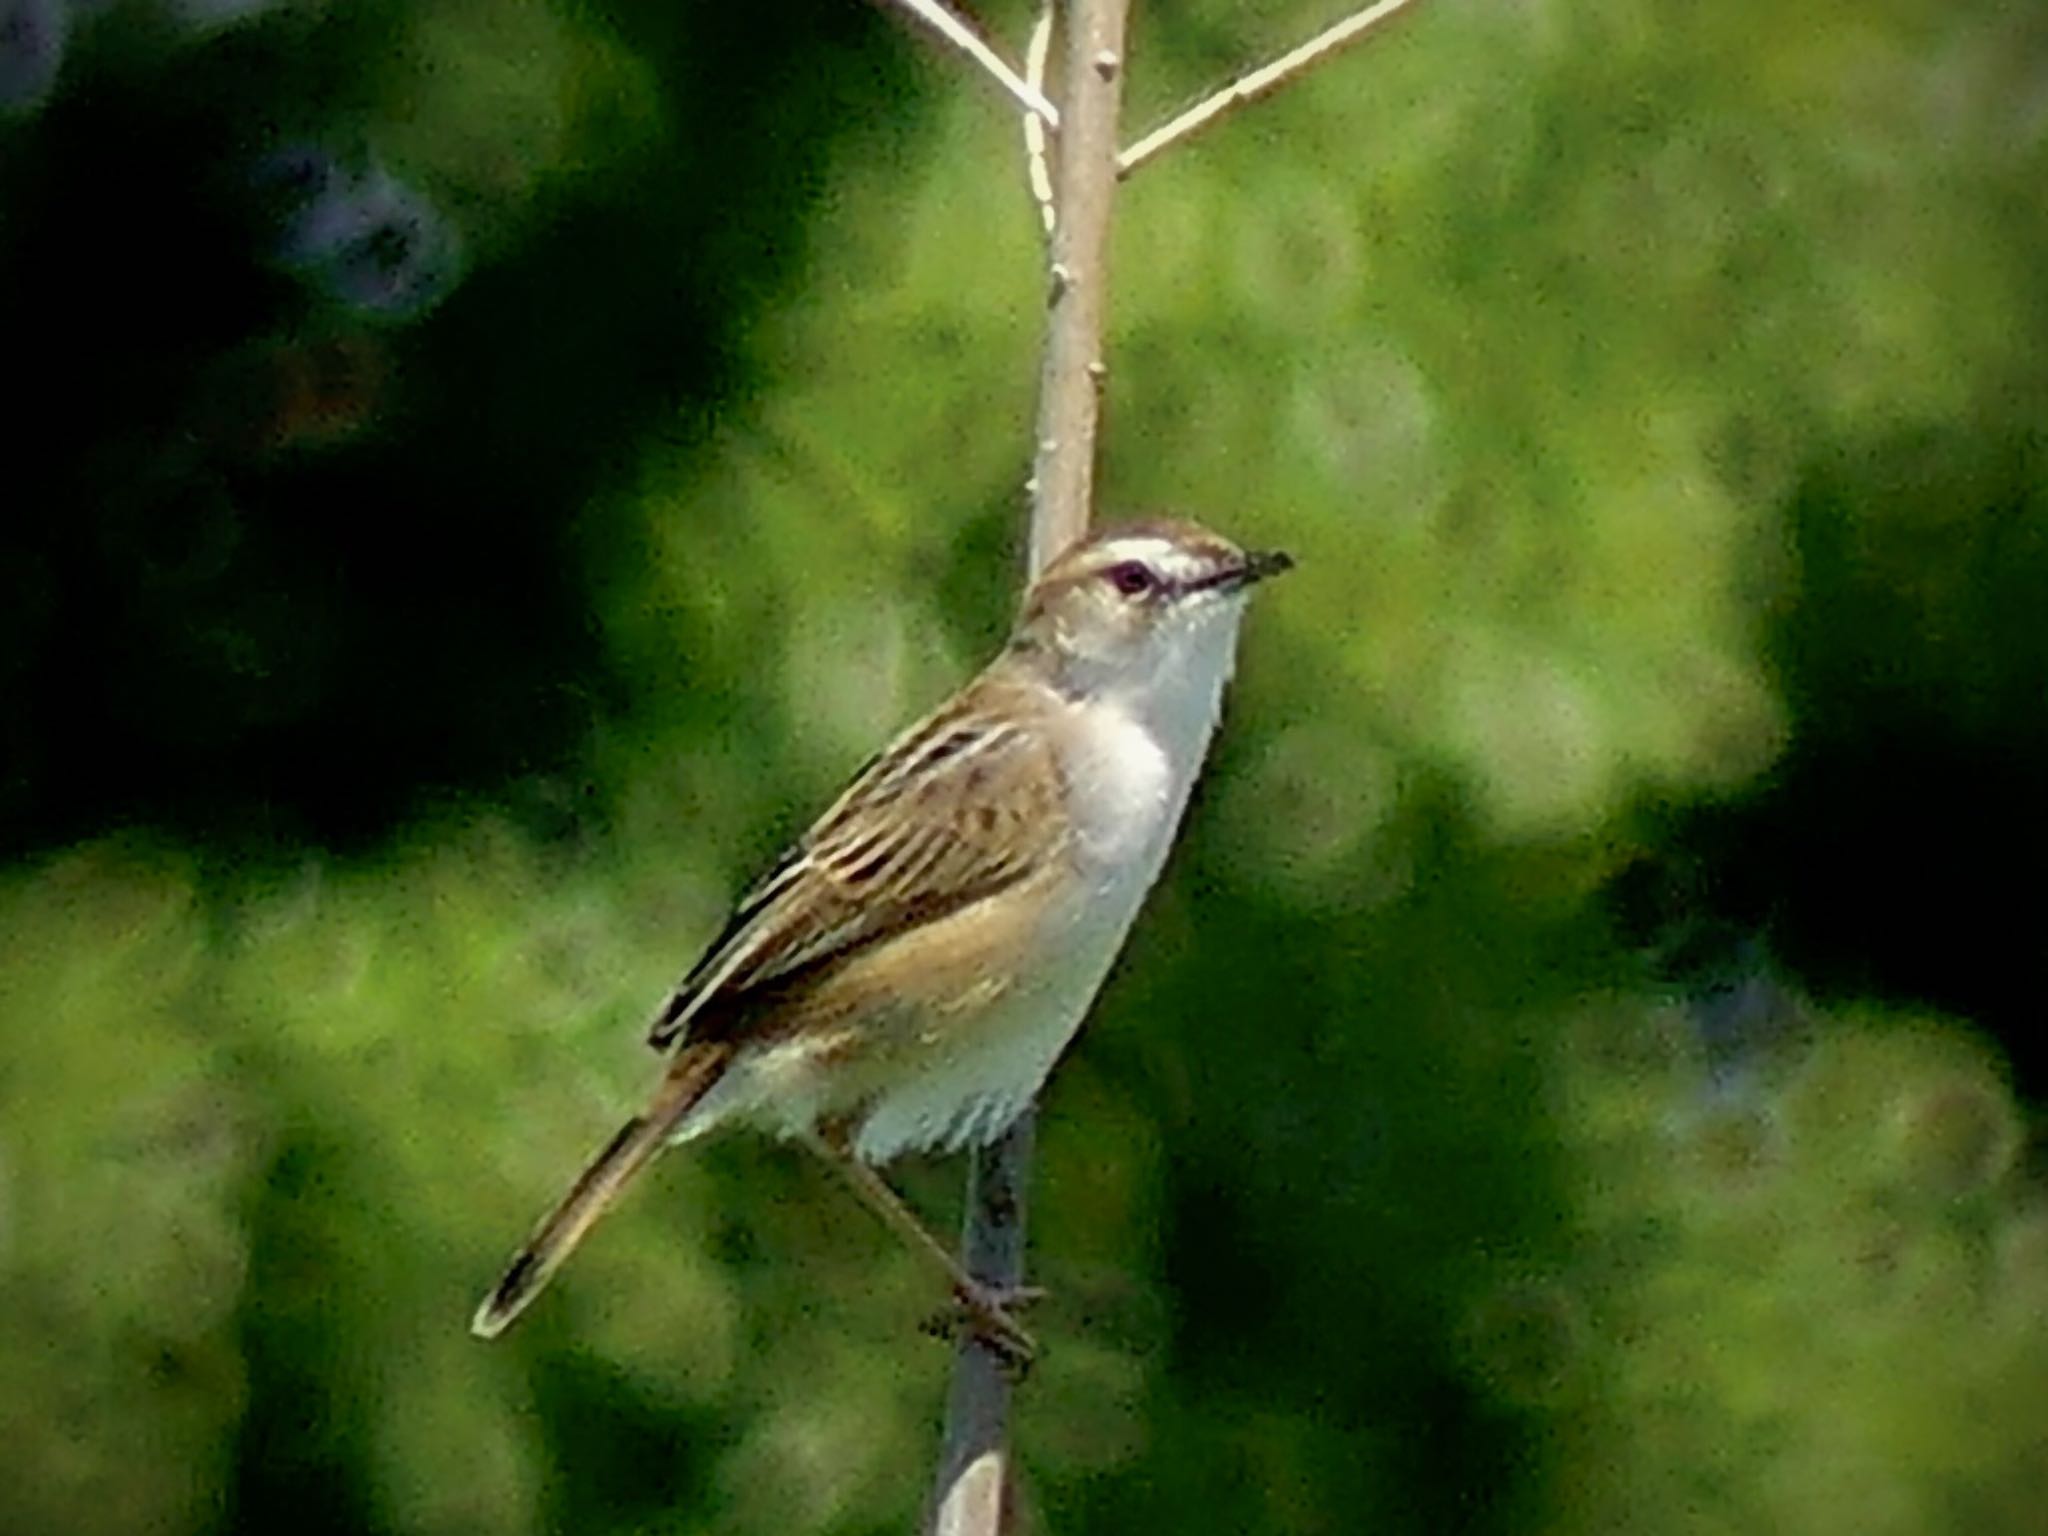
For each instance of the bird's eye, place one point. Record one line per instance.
(1133, 578)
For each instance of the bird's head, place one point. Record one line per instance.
(1142, 606)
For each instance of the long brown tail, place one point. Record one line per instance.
(689, 1078)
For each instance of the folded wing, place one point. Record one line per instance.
(962, 805)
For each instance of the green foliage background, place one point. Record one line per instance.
(1651, 393)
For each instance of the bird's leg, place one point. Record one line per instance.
(986, 1308)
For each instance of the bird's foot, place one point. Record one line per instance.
(985, 1312)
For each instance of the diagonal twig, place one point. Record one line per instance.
(1037, 167)
(963, 37)
(1260, 82)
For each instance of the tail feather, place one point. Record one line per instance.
(600, 1183)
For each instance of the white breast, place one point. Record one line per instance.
(1123, 790)
(1133, 753)
(1128, 776)
(1130, 758)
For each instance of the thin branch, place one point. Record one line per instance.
(972, 1496)
(963, 37)
(1260, 82)
(1037, 168)
(1084, 190)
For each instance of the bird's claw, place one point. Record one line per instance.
(984, 1313)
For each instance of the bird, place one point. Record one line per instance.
(904, 977)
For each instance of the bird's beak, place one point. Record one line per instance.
(1256, 566)
(1261, 563)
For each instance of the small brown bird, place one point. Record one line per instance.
(905, 976)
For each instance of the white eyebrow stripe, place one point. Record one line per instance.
(1149, 548)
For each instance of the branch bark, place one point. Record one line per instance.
(1084, 191)
(973, 1492)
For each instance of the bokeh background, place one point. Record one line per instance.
(479, 472)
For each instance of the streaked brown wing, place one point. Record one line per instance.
(966, 802)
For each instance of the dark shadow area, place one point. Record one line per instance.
(1895, 851)
(1406, 1106)
(295, 542)
(299, 1461)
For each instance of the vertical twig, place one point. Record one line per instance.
(1037, 148)
(972, 1494)
(1084, 189)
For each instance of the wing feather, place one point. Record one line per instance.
(961, 805)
